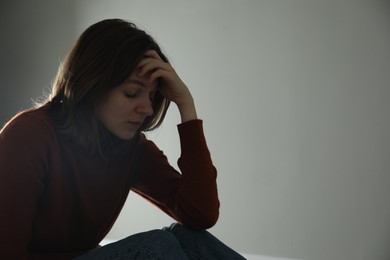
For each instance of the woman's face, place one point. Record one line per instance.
(126, 106)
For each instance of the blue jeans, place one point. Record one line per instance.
(175, 242)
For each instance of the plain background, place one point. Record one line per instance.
(295, 101)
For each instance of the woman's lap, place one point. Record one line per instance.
(174, 242)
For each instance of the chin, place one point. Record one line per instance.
(125, 136)
(128, 137)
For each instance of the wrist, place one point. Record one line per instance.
(187, 110)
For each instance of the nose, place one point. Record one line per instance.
(145, 107)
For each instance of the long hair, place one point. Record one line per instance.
(104, 56)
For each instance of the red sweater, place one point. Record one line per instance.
(58, 201)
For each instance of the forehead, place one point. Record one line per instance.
(144, 82)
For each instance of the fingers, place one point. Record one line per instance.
(155, 68)
(153, 54)
(152, 63)
(149, 65)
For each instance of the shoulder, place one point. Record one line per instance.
(32, 124)
(27, 142)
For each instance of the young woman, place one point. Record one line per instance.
(67, 166)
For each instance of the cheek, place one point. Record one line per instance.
(122, 108)
(117, 112)
(108, 106)
(102, 115)
(116, 107)
(106, 111)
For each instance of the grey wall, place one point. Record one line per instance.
(294, 97)
(34, 36)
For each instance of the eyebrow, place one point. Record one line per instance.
(138, 82)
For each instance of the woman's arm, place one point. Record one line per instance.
(190, 197)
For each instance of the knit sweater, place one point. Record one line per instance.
(58, 200)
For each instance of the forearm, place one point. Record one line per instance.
(198, 189)
(187, 110)
(190, 197)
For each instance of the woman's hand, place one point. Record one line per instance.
(170, 84)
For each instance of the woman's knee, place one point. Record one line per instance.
(163, 240)
(162, 235)
(158, 244)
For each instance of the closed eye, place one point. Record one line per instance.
(130, 95)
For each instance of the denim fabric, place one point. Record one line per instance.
(175, 242)
(200, 244)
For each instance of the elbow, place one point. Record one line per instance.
(203, 220)
(207, 222)
(210, 221)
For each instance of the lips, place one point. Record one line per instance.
(135, 124)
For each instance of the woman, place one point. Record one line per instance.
(66, 166)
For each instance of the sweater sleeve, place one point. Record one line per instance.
(189, 196)
(21, 184)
